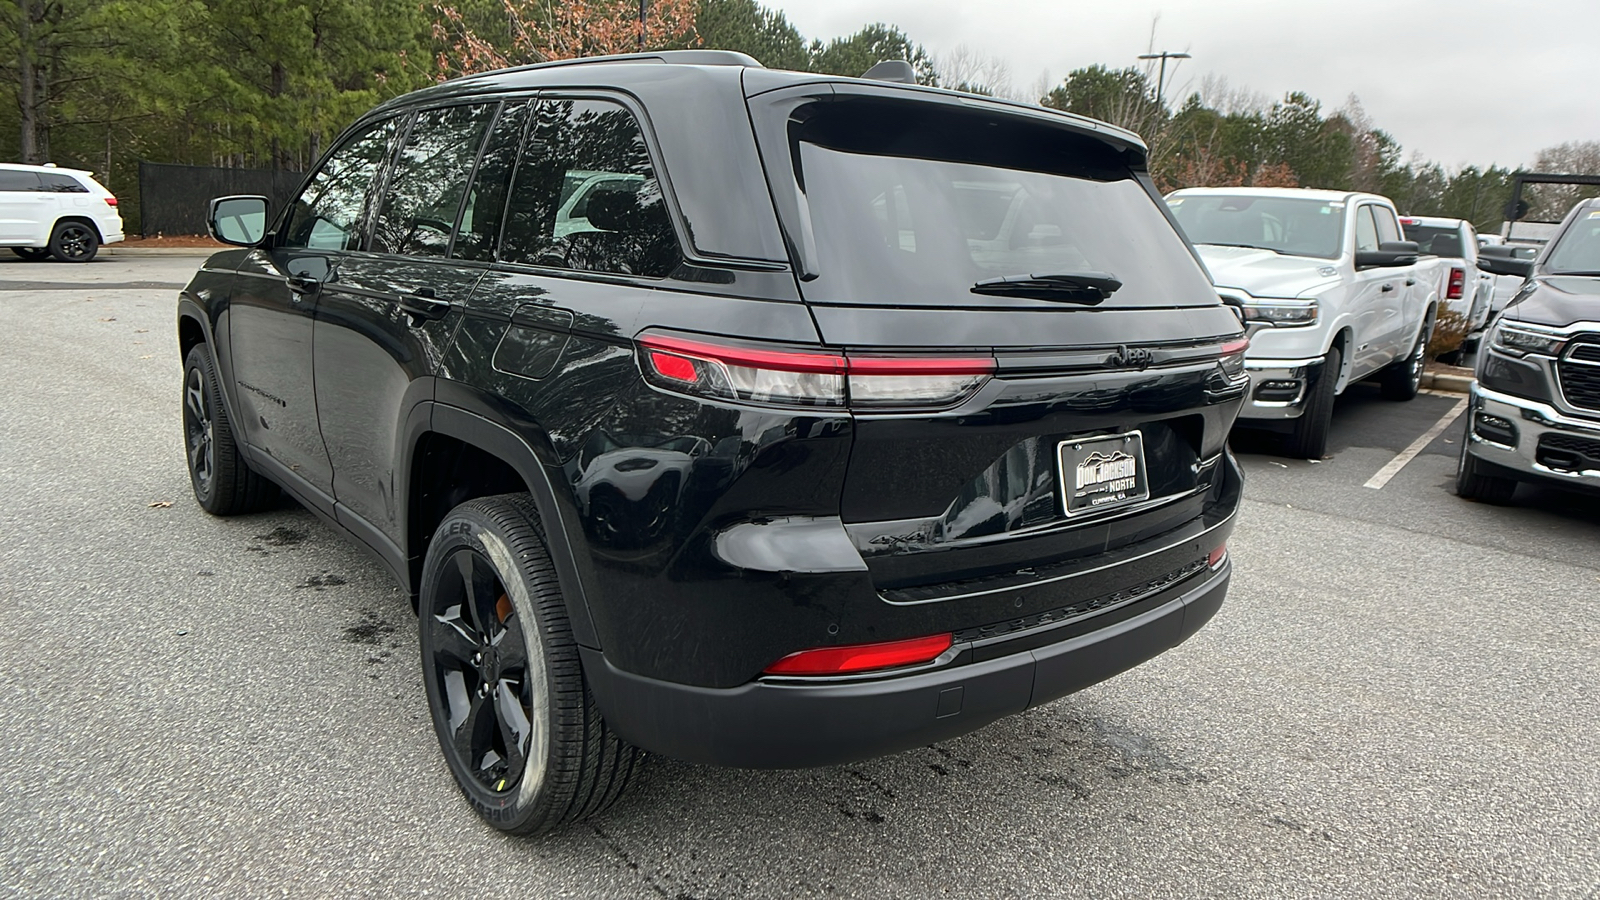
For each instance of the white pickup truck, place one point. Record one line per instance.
(1329, 291)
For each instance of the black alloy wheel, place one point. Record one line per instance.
(223, 483)
(74, 242)
(198, 429)
(491, 688)
(32, 254)
(515, 719)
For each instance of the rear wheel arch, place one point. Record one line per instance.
(457, 456)
(191, 334)
(82, 220)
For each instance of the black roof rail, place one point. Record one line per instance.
(896, 70)
(670, 57)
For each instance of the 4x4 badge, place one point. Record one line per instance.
(1130, 357)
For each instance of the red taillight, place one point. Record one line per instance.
(111, 201)
(1458, 284)
(862, 657)
(1215, 557)
(1409, 221)
(676, 368)
(741, 372)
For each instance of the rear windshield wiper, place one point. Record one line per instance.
(1087, 288)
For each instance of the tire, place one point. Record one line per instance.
(1309, 439)
(32, 254)
(74, 242)
(515, 719)
(1402, 380)
(224, 484)
(1474, 480)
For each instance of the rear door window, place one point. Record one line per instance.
(486, 200)
(912, 203)
(429, 179)
(61, 184)
(328, 213)
(585, 196)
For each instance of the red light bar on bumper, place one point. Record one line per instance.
(862, 657)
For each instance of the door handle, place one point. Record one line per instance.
(302, 285)
(1410, 282)
(423, 303)
(1387, 288)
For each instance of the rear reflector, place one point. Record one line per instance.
(1215, 557)
(862, 657)
(741, 372)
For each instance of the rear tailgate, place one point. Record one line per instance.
(897, 209)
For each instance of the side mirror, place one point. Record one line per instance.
(1506, 265)
(240, 220)
(1389, 253)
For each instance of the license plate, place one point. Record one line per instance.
(1103, 472)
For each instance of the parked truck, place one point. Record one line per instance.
(1329, 290)
(1466, 290)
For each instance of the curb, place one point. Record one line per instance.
(131, 252)
(1439, 381)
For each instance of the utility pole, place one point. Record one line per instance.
(642, 5)
(1161, 79)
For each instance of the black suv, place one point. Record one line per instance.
(1535, 405)
(748, 417)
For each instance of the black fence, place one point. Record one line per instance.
(174, 199)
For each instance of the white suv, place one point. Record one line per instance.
(64, 213)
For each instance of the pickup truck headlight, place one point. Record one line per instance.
(1280, 313)
(1522, 340)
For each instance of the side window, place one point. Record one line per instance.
(429, 178)
(585, 196)
(1366, 230)
(61, 184)
(486, 201)
(327, 214)
(13, 180)
(1388, 228)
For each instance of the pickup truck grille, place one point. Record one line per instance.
(1580, 376)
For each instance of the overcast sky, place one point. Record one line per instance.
(1459, 81)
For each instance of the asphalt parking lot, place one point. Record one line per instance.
(1398, 699)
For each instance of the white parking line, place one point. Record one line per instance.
(1377, 481)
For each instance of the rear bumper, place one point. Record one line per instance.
(1531, 449)
(777, 724)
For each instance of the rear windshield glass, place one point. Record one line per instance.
(1438, 241)
(913, 204)
(1578, 251)
(1293, 226)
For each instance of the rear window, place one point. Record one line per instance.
(1436, 240)
(913, 203)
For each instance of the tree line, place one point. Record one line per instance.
(102, 84)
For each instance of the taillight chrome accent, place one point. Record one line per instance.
(808, 378)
